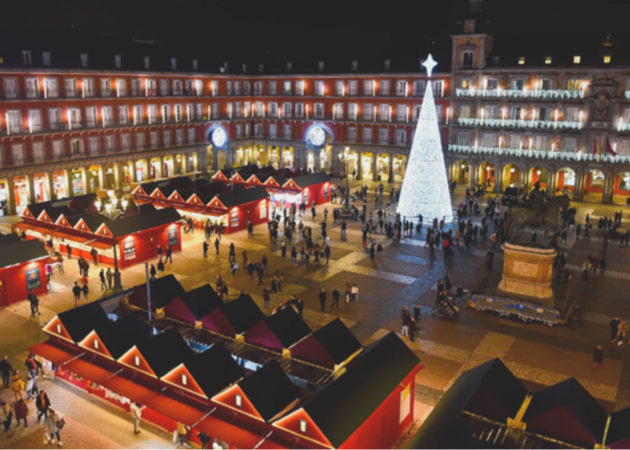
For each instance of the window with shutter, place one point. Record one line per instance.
(179, 137)
(367, 135)
(32, 87)
(368, 111)
(39, 155)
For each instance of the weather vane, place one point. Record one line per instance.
(429, 64)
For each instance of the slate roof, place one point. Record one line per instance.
(340, 408)
(270, 390)
(165, 351)
(93, 221)
(337, 340)
(117, 339)
(140, 222)
(21, 252)
(288, 326)
(163, 291)
(242, 196)
(214, 370)
(243, 313)
(312, 179)
(618, 430)
(79, 322)
(202, 301)
(78, 203)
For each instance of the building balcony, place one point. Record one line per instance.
(561, 155)
(523, 93)
(515, 123)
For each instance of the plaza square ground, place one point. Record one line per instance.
(538, 354)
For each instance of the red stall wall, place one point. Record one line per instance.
(382, 429)
(145, 248)
(13, 288)
(247, 212)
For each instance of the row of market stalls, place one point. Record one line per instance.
(245, 379)
(76, 222)
(488, 407)
(23, 268)
(285, 186)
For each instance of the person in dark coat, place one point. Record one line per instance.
(300, 307)
(43, 404)
(205, 249)
(322, 299)
(335, 299)
(598, 357)
(412, 329)
(7, 369)
(216, 245)
(169, 254)
(614, 329)
(152, 272)
(404, 317)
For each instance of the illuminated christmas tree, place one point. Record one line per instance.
(425, 186)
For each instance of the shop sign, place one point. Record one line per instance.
(172, 237)
(33, 281)
(130, 250)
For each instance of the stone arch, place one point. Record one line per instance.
(513, 173)
(487, 174)
(594, 185)
(566, 180)
(461, 172)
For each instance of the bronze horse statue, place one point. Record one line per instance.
(538, 214)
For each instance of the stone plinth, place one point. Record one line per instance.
(528, 272)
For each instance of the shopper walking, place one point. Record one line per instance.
(76, 291)
(85, 291)
(322, 299)
(101, 276)
(21, 411)
(7, 369)
(136, 414)
(52, 425)
(598, 357)
(335, 299)
(109, 275)
(43, 405)
(6, 415)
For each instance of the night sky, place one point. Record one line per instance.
(281, 28)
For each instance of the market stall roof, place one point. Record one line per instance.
(242, 313)
(618, 435)
(270, 390)
(21, 252)
(242, 195)
(140, 222)
(78, 322)
(312, 179)
(78, 203)
(341, 407)
(165, 351)
(93, 221)
(116, 339)
(163, 291)
(279, 330)
(194, 305)
(331, 345)
(7, 239)
(567, 412)
(214, 369)
(102, 242)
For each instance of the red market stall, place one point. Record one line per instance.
(22, 269)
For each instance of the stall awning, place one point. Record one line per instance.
(59, 234)
(213, 426)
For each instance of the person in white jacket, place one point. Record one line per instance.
(136, 413)
(51, 428)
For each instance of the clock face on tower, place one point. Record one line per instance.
(317, 136)
(218, 137)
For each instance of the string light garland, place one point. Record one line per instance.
(425, 186)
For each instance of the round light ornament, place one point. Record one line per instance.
(317, 136)
(219, 137)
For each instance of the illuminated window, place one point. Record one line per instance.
(521, 60)
(548, 60)
(303, 426)
(184, 380)
(239, 400)
(95, 344)
(606, 59)
(577, 59)
(137, 361)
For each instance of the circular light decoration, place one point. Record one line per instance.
(219, 137)
(317, 136)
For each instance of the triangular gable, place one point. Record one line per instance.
(311, 350)
(27, 213)
(238, 178)
(157, 193)
(177, 309)
(94, 343)
(103, 231)
(271, 182)
(194, 200)
(229, 398)
(254, 180)
(217, 322)
(134, 359)
(181, 377)
(216, 203)
(139, 190)
(82, 226)
(62, 221)
(175, 197)
(292, 423)
(44, 217)
(260, 334)
(56, 328)
(219, 176)
(290, 184)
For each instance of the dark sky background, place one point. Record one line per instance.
(281, 28)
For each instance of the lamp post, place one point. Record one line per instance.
(117, 280)
(345, 158)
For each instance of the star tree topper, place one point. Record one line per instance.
(429, 64)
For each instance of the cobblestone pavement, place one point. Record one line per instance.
(403, 276)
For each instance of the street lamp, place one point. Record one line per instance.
(346, 157)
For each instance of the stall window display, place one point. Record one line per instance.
(40, 186)
(21, 193)
(139, 172)
(59, 186)
(3, 200)
(77, 184)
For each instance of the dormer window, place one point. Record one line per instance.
(58, 329)
(95, 344)
(521, 60)
(303, 426)
(239, 400)
(137, 361)
(548, 60)
(577, 59)
(184, 380)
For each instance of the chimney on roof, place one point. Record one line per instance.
(321, 66)
(261, 68)
(289, 67)
(355, 65)
(388, 64)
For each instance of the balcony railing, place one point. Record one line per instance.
(540, 154)
(516, 123)
(522, 93)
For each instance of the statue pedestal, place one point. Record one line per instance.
(527, 273)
